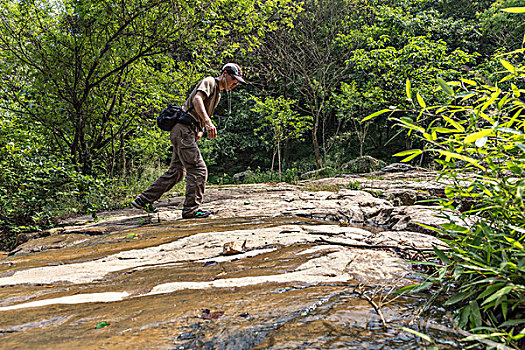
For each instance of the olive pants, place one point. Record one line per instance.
(186, 158)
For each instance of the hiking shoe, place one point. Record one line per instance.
(199, 214)
(139, 203)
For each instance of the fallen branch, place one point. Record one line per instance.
(374, 305)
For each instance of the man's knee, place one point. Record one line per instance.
(197, 174)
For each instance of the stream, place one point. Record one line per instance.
(168, 285)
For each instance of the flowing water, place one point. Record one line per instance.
(167, 286)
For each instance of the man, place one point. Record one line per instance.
(186, 156)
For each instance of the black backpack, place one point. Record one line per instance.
(174, 114)
(168, 117)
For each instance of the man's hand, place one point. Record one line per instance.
(210, 129)
(198, 103)
(199, 135)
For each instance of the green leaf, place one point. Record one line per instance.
(498, 294)
(515, 243)
(512, 322)
(457, 298)
(477, 135)
(489, 290)
(460, 157)
(419, 334)
(441, 255)
(409, 289)
(421, 101)
(445, 87)
(408, 88)
(508, 66)
(468, 81)
(411, 151)
(509, 130)
(514, 9)
(475, 314)
(445, 130)
(515, 90)
(516, 228)
(481, 336)
(102, 324)
(452, 122)
(373, 115)
(454, 227)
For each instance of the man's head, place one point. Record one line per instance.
(232, 73)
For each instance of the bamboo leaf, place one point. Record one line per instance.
(477, 135)
(459, 127)
(518, 229)
(514, 10)
(445, 87)
(408, 87)
(445, 130)
(421, 101)
(375, 114)
(409, 158)
(481, 141)
(514, 242)
(510, 130)
(475, 315)
(512, 322)
(411, 151)
(419, 334)
(498, 294)
(460, 157)
(457, 298)
(441, 255)
(489, 290)
(508, 66)
(469, 82)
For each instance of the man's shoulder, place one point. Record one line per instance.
(210, 81)
(207, 85)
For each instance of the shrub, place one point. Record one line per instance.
(478, 138)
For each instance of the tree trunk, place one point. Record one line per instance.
(317, 154)
(273, 162)
(123, 151)
(279, 158)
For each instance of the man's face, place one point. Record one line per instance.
(231, 82)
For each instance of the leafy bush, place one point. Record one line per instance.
(33, 187)
(478, 137)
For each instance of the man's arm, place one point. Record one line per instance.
(198, 104)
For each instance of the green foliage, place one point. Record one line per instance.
(479, 139)
(33, 183)
(236, 147)
(503, 28)
(284, 124)
(290, 175)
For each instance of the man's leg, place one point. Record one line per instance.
(196, 176)
(165, 182)
(196, 171)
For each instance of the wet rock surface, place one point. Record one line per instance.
(304, 259)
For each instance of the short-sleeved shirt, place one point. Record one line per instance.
(210, 87)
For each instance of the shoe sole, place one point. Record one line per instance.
(196, 217)
(142, 208)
